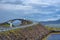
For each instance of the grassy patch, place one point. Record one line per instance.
(5, 24)
(52, 28)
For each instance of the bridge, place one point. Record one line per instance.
(26, 23)
(23, 22)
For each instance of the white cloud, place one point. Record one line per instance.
(26, 9)
(44, 7)
(10, 1)
(48, 19)
(7, 1)
(44, 2)
(14, 7)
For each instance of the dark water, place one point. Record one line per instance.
(54, 37)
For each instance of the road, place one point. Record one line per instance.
(9, 28)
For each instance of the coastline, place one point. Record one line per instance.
(45, 38)
(52, 31)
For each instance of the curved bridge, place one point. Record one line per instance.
(23, 22)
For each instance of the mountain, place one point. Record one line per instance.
(51, 22)
(55, 23)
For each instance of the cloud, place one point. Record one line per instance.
(14, 7)
(27, 2)
(43, 2)
(11, 1)
(29, 9)
(31, 6)
(33, 9)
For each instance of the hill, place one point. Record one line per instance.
(35, 32)
(51, 22)
(55, 23)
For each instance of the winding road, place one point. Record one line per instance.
(9, 28)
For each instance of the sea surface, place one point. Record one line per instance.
(54, 37)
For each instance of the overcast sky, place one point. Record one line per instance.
(38, 10)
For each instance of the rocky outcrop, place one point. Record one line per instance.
(35, 32)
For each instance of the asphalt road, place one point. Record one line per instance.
(9, 28)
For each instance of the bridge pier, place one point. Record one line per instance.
(11, 24)
(25, 22)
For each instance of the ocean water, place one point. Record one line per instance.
(54, 37)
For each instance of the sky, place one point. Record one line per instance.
(36, 10)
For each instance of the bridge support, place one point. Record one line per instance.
(25, 22)
(11, 24)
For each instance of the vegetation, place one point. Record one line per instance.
(35, 32)
(5, 25)
(45, 38)
(52, 28)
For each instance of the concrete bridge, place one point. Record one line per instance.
(23, 22)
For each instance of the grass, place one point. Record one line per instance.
(14, 33)
(5, 25)
(52, 28)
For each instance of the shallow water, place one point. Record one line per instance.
(54, 37)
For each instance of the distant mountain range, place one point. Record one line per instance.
(51, 22)
(55, 23)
